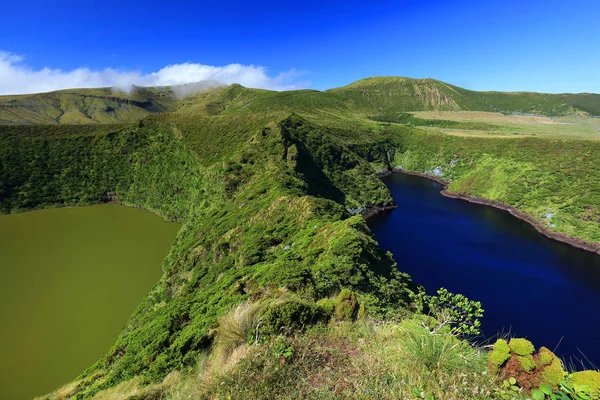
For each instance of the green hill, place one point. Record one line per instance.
(395, 94)
(378, 97)
(275, 283)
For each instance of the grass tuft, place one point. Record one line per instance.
(236, 327)
(437, 352)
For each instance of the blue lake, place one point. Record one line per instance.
(529, 285)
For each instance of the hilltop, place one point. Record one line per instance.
(394, 94)
(275, 276)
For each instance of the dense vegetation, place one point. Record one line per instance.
(269, 187)
(553, 181)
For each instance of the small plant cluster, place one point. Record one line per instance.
(517, 359)
(449, 311)
(566, 391)
(345, 307)
(290, 316)
(540, 373)
(282, 349)
(295, 315)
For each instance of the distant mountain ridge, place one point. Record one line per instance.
(377, 97)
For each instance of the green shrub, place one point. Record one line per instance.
(521, 347)
(327, 306)
(362, 312)
(346, 305)
(292, 156)
(289, 316)
(499, 354)
(448, 309)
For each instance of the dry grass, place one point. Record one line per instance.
(510, 126)
(65, 391)
(228, 350)
(123, 391)
(230, 343)
(351, 360)
(133, 389)
(479, 134)
(234, 328)
(482, 116)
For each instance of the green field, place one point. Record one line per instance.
(268, 187)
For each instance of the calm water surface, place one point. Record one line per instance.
(529, 285)
(69, 280)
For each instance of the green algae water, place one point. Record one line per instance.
(69, 280)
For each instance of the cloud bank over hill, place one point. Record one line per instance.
(16, 77)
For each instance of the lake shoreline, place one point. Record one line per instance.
(91, 204)
(560, 237)
(376, 209)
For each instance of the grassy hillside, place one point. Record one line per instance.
(85, 106)
(390, 95)
(268, 187)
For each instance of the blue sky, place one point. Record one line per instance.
(529, 45)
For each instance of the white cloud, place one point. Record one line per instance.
(18, 78)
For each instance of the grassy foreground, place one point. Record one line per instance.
(269, 188)
(355, 356)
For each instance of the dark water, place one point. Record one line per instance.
(529, 285)
(69, 280)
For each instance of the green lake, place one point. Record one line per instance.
(69, 280)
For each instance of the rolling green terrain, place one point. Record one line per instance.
(380, 98)
(269, 188)
(87, 106)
